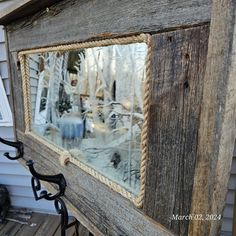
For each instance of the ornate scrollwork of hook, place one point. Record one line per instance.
(36, 186)
(62, 210)
(43, 194)
(18, 145)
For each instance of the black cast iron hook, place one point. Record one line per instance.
(36, 186)
(18, 145)
(62, 210)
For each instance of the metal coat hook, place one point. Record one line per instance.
(58, 179)
(58, 202)
(36, 186)
(18, 145)
(62, 210)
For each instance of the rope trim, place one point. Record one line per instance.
(24, 65)
(64, 156)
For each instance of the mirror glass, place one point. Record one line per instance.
(90, 102)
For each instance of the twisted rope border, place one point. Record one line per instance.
(64, 156)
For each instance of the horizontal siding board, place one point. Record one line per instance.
(33, 64)
(12, 169)
(30, 202)
(6, 84)
(6, 148)
(33, 99)
(3, 55)
(227, 220)
(17, 180)
(6, 132)
(34, 74)
(227, 225)
(33, 90)
(232, 182)
(233, 167)
(34, 82)
(20, 191)
(1, 34)
(224, 233)
(230, 197)
(4, 159)
(235, 149)
(228, 211)
(4, 69)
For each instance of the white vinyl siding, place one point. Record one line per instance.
(227, 222)
(16, 178)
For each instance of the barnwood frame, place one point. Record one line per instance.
(64, 156)
(217, 131)
(193, 111)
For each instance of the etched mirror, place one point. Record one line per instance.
(89, 101)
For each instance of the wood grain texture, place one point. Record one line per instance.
(179, 59)
(14, 10)
(74, 21)
(16, 89)
(217, 121)
(100, 209)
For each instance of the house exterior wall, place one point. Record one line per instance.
(16, 178)
(227, 222)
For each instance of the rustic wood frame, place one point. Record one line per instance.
(217, 131)
(216, 117)
(98, 207)
(64, 156)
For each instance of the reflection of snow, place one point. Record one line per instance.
(101, 124)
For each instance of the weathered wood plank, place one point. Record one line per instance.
(13, 10)
(11, 228)
(37, 219)
(217, 129)
(179, 59)
(17, 95)
(82, 20)
(82, 231)
(97, 207)
(49, 226)
(43, 224)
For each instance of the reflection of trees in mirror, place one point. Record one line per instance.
(90, 102)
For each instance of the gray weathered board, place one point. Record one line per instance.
(179, 59)
(217, 130)
(73, 20)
